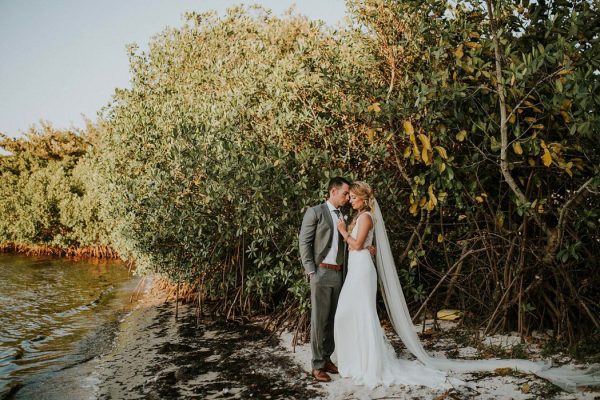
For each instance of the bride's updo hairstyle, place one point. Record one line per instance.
(363, 191)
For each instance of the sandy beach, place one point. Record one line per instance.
(150, 355)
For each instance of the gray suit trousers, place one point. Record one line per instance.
(325, 287)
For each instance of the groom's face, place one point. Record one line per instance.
(340, 196)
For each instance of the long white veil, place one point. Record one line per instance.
(565, 377)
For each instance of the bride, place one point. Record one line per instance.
(364, 353)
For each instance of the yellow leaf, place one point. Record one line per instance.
(528, 103)
(432, 199)
(565, 72)
(566, 104)
(512, 119)
(517, 148)
(276, 163)
(430, 205)
(413, 209)
(407, 152)
(440, 238)
(472, 45)
(531, 161)
(538, 126)
(422, 201)
(416, 152)
(425, 156)
(461, 217)
(370, 134)
(540, 208)
(565, 116)
(537, 110)
(479, 199)
(460, 136)
(374, 108)
(412, 138)
(525, 388)
(408, 128)
(530, 120)
(556, 147)
(503, 371)
(442, 152)
(547, 157)
(413, 263)
(425, 141)
(442, 167)
(458, 53)
(449, 315)
(568, 169)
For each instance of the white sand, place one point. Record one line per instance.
(485, 387)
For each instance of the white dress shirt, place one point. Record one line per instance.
(331, 256)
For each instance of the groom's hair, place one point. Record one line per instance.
(337, 182)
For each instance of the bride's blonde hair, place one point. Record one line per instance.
(363, 191)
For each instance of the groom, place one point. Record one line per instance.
(323, 251)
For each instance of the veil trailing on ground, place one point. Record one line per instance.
(565, 377)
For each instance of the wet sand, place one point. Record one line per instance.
(149, 355)
(152, 356)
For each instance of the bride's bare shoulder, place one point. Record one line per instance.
(366, 216)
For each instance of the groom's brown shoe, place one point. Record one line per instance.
(320, 375)
(331, 368)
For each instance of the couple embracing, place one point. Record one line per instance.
(343, 283)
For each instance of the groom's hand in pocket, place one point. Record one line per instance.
(310, 275)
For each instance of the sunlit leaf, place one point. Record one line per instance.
(458, 53)
(408, 127)
(517, 148)
(473, 45)
(442, 152)
(425, 141)
(375, 107)
(547, 157)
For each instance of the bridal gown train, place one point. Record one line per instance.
(363, 352)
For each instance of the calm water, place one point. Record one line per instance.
(53, 313)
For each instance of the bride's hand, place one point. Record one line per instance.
(341, 225)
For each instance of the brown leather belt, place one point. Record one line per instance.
(334, 267)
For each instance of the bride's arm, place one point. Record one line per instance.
(363, 230)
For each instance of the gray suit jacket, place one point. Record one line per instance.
(316, 235)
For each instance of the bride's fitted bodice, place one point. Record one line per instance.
(354, 233)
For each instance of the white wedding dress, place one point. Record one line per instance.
(365, 355)
(363, 352)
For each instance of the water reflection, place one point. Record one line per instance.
(47, 305)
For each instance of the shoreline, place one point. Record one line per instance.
(103, 252)
(152, 355)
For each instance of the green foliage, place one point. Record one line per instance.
(233, 126)
(442, 105)
(231, 130)
(46, 190)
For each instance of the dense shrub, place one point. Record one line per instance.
(476, 124)
(47, 190)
